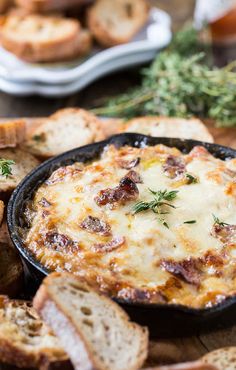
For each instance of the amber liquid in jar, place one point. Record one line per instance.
(223, 32)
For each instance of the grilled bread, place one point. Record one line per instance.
(12, 133)
(36, 38)
(1, 211)
(23, 163)
(169, 127)
(4, 5)
(41, 6)
(196, 365)
(66, 129)
(95, 331)
(222, 359)
(11, 270)
(25, 341)
(116, 22)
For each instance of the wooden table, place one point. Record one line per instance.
(161, 351)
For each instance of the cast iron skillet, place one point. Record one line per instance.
(163, 320)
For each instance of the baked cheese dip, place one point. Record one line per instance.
(149, 224)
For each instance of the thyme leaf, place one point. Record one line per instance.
(160, 199)
(191, 179)
(180, 83)
(5, 166)
(218, 222)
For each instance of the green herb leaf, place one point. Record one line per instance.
(190, 222)
(5, 167)
(160, 199)
(191, 179)
(37, 138)
(179, 83)
(218, 222)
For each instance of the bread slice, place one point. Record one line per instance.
(4, 5)
(111, 126)
(117, 22)
(43, 6)
(222, 359)
(66, 129)
(195, 365)
(37, 38)
(12, 133)
(1, 211)
(25, 340)
(23, 163)
(95, 332)
(169, 127)
(11, 270)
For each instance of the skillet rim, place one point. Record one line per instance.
(132, 139)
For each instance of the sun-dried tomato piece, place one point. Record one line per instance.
(96, 226)
(134, 176)
(62, 172)
(109, 246)
(225, 233)
(174, 166)
(59, 242)
(128, 164)
(125, 191)
(185, 270)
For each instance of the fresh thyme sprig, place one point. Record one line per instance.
(180, 83)
(218, 222)
(160, 199)
(5, 166)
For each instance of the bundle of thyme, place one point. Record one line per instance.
(182, 83)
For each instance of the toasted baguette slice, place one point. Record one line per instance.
(66, 129)
(111, 126)
(25, 341)
(23, 163)
(222, 359)
(42, 6)
(116, 22)
(12, 133)
(195, 365)
(1, 212)
(169, 127)
(4, 5)
(36, 38)
(95, 332)
(11, 270)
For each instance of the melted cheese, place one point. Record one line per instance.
(134, 270)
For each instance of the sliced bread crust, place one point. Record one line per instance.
(11, 270)
(222, 358)
(23, 163)
(95, 331)
(117, 22)
(66, 129)
(25, 341)
(36, 38)
(12, 133)
(196, 365)
(169, 127)
(42, 6)
(1, 211)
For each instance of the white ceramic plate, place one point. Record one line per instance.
(60, 90)
(155, 35)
